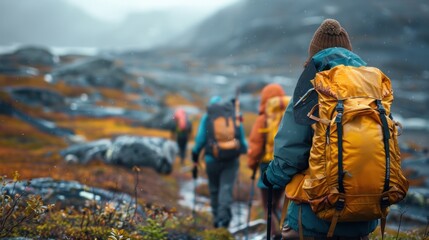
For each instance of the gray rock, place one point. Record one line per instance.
(41, 124)
(38, 97)
(158, 153)
(18, 71)
(163, 119)
(84, 152)
(129, 151)
(30, 56)
(70, 193)
(99, 72)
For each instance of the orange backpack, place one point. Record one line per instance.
(354, 169)
(274, 110)
(222, 131)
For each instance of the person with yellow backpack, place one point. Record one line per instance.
(336, 150)
(261, 139)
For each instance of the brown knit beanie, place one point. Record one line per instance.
(329, 34)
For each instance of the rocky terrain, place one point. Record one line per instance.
(94, 118)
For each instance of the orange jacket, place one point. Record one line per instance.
(257, 138)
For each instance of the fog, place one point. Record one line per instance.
(110, 24)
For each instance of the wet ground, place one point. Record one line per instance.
(240, 210)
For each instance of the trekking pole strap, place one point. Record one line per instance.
(333, 223)
(382, 226)
(284, 212)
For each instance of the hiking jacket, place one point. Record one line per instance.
(201, 137)
(182, 135)
(256, 137)
(292, 148)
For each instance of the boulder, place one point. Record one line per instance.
(154, 152)
(85, 152)
(70, 193)
(38, 97)
(18, 71)
(30, 56)
(95, 72)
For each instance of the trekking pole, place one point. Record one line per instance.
(238, 202)
(194, 176)
(237, 108)
(270, 208)
(252, 192)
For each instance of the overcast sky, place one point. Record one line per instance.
(114, 10)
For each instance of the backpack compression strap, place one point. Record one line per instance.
(386, 137)
(384, 202)
(339, 205)
(211, 139)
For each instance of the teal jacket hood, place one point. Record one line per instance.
(331, 57)
(215, 99)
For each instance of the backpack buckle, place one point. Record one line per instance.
(339, 205)
(380, 107)
(340, 106)
(385, 202)
(339, 117)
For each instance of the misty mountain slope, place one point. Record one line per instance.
(143, 30)
(59, 23)
(381, 31)
(47, 22)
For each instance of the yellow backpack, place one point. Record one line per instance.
(274, 110)
(354, 169)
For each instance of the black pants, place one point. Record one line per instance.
(222, 175)
(182, 144)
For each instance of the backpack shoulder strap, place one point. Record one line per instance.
(303, 97)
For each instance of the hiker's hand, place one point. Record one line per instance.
(250, 162)
(254, 174)
(195, 171)
(265, 180)
(252, 165)
(241, 118)
(195, 157)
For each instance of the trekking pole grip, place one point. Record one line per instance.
(195, 172)
(253, 174)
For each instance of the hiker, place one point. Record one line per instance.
(181, 132)
(261, 141)
(221, 155)
(343, 105)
